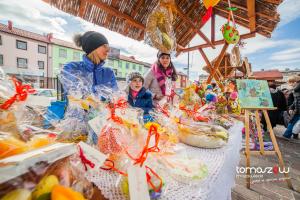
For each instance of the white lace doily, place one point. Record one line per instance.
(108, 182)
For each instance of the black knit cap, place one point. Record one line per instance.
(91, 40)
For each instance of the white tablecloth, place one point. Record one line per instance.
(221, 164)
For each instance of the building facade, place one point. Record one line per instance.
(38, 59)
(62, 53)
(23, 53)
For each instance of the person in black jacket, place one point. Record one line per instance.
(279, 101)
(294, 110)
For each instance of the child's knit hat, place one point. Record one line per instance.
(134, 75)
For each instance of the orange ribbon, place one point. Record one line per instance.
(194, 114)
(162, 110)
(22, 92)
(121, 104)
(156, 189)
(144, 154)
(110, 165)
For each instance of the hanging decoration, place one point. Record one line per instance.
(230, 33)
(209, 4)
(159, 28)
(235, 57)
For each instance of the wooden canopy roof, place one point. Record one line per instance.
(129, 17)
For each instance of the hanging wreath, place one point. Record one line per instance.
(159, 29)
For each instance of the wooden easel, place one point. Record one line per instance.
(276, 150)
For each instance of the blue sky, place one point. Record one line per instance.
(279, 52)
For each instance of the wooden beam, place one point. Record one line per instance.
(202, 35)
(277, 2)
(218, 42)
(222, 13)
(208, 63)
(251, 14)
(218, 62)
(210, 67)
(274, 17)
(105, 7)
(82, 8)
(213, 25)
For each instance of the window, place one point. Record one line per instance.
(1, 60)
(0, 40)
(127, 65)
(42, 49)
(76, 56)
(63, 53)
(41, 64)
(42, 85)
(140, 68)
(133, 66)
(21, 45)
(120, 64)
(22, 62)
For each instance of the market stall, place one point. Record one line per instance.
(186, 149)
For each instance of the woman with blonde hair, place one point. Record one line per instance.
(90, 70)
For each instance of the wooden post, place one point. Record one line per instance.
(218, 62)
(260, 139)
(276, 148)
(217, 78)
(247, 152)
(82, 8)
(213, 26)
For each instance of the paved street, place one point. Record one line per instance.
(272, 190)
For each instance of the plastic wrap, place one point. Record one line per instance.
(74, 126)
(59, 180)
(159, 27)
(203, 135)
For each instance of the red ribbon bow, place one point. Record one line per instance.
(144, 154)
(84, 160)
(22, 92)
(122, 104)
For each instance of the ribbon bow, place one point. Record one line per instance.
(22, 92)
(84, 160)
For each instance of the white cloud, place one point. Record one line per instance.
(289, 11)
(35, 15)
(286, 55)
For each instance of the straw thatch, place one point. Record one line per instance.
(129, 17)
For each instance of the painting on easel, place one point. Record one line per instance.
(254, 94)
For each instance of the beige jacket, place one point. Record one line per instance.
(151, 84)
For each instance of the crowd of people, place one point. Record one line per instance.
(287, 102)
